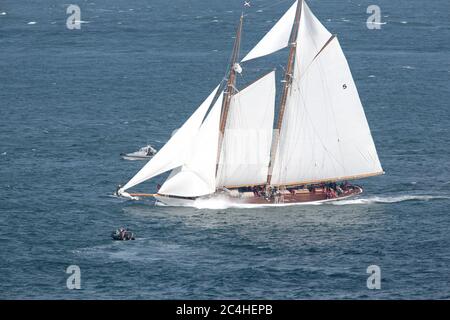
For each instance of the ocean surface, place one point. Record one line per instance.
(72, 100)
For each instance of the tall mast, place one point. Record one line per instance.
(230, 89)
(288, 75)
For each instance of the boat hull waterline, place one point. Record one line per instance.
(310, 198)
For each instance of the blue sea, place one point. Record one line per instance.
(72, 100)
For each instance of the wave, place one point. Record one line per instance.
(391, 199)
(221, 203)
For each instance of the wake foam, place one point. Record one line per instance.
(215, 204)
(391, 199)
(224, 203)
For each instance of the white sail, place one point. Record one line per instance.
(277, 38)
(311, 38)
(197, 176)
(174, 152)
(248, 135)
(324, 133)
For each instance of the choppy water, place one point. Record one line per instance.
(72, 101)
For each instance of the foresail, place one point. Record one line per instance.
(277, 38)
(197, 175)
(324, 135)
(174, 152)
(245, 152)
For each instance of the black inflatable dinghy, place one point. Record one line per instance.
(122, 234)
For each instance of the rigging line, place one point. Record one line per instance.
(303, 125)
(324, 81)
(230, 59)
(224, 79)
(333, 111)
(316, 131)
(312, 61)
(229, 91)
(324, 46)
(245, 14)
(242, 77)
(364, 157)
(287, 87)
(273, 4)
(266, 7)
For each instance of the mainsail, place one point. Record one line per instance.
(324, 134)
(245, 152)
(197, 174)
(173, 153)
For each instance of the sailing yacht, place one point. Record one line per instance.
(230, 149)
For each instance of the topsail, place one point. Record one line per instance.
(276, 39)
